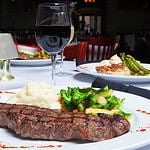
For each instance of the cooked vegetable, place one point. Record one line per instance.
(103, 92)
(75, 98)
(101, 100)
(112, 102)
(91, 100)
(134, 66)
(96, 111)
(40, 54)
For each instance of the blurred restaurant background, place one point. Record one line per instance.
(128, 18)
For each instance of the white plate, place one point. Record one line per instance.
(89, 68)
(136, 138)
(33, 62)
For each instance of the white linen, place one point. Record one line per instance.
(23, 74)
(43, 73)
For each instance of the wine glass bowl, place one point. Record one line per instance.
(53, 29)
(61, 72)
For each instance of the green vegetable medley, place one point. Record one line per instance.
(81, 99)
(40, 54)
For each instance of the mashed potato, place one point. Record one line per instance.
(38, 94)
(113, 60)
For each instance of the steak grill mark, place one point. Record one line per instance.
(42, 123)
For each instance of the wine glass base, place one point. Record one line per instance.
(63, 74)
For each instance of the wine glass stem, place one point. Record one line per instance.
(53, 60)
(62, 62)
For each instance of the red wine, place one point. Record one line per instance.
(53, 39)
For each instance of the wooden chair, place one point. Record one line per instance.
(102, 47)
(77, 51)
(116, 40)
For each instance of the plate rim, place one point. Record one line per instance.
(31, 62)
(111, 77)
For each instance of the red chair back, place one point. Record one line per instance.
(102, 47)
(71, 52)
(77, 51)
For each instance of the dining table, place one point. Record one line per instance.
(23, 74)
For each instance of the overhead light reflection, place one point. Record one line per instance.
(89, 1)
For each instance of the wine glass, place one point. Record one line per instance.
(53, 29)
(61, 72)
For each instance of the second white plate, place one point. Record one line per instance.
(89, 68)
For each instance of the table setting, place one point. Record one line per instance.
(134, 91)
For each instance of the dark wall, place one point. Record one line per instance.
(17, 14)
(127, 18)
(119, 16)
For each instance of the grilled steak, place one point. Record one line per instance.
(41, 123)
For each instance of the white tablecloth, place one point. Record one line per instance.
(23, 74)
(43, 73)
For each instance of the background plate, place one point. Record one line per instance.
(33, 62)
(89, 68)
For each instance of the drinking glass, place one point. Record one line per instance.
(61, 72)
(53, 29)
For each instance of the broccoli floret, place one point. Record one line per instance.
(74, 98)
(67, 99)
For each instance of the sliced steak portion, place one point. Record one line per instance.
(41, 123)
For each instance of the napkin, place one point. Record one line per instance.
(100, 82)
